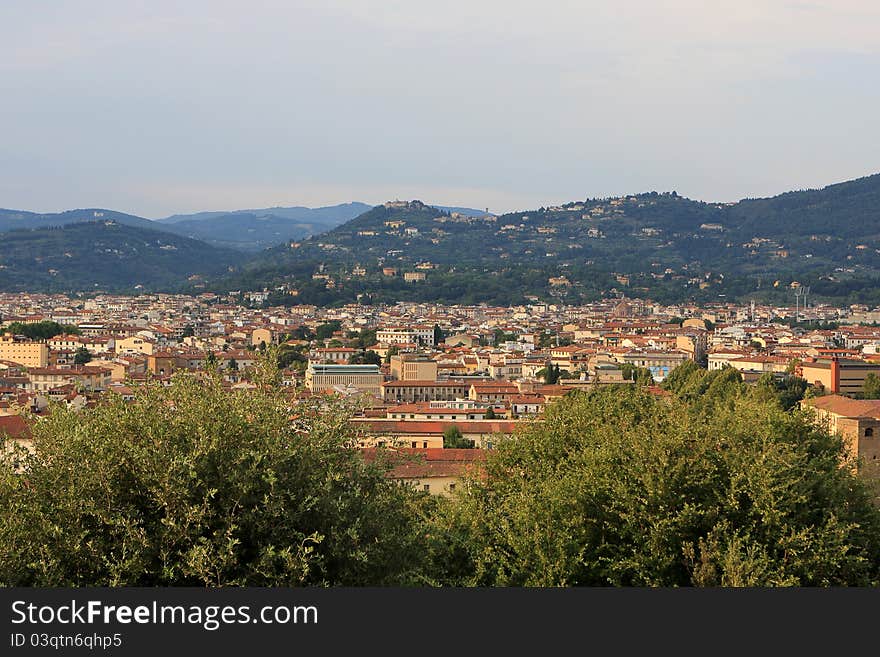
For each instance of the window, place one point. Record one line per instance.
(869, 432)
(425, 445)
(451, 487)
(427, 488)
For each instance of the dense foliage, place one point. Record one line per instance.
(198, 486)
(621, 487)
(110, 256)
(711, 482)
(40, 330)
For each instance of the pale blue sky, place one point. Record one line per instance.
(155, 107)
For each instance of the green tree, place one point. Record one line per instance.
(393, 350)
(453, 439)
(40, 330)
(233, 365)
(192, 484)
(439, 336)
(551, 374)
(325, 331)
(366, 358)
(188, 331)
(641, 375)
(872, 386)
(82, 356)
(621, 487)
(489, 414)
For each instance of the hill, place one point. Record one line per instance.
(21, 219)
(655, 245)
(110, 256)
(254, 230)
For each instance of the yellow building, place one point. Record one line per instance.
(47, 378)
(838, 375)
(412, 367)
(136, 344)
(857, 421)
(434, 471)
(27, 353)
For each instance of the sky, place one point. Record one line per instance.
(158, 107)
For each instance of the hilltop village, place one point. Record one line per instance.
(446, 381)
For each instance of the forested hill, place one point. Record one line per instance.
(21, 219)
(845, 210)
(105, 255)
(657, 245)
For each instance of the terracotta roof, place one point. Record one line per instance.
(14, 426)
(436, 427)
(846, 407)
(430, 462)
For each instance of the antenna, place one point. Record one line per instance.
(798, 292)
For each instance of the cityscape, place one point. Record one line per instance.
(426, 376)
(354, 309)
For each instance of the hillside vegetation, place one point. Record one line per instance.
(109, 256)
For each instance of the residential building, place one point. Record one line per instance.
(23, 352)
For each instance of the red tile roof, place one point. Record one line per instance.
(436, 427)
(846, 407)
(426, 463)
(14, 426)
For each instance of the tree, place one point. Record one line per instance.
(192, 484)
(82, 356)
(872, 386)
(327, 330)
(233, 365)
(622, 487)
(40, 330)
(453, 439)
(188, 331)
(551, 374)
(439, 336)
(641, 375)
(366, 358)
(489, 414)
(393, 350)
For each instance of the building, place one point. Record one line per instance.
(136, 344)
(338, 355)
(423, 391)
(88, 378)
(429, 433)
(23, 352)
(413, 276)
(838, 375)
(857, 421)
(434, 471)
(366, 378)
(423, 336)
(413, 367)
(661, 363)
